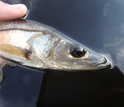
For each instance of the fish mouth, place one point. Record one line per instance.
(104, 64)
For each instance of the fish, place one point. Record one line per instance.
(34, 45)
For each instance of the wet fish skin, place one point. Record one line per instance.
(35, 45)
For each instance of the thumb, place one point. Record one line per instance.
(9, 12)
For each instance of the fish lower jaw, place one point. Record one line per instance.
(107, 62)
(105, 65)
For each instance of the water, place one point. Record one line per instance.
(98, 25)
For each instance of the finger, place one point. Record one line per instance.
(9, 12)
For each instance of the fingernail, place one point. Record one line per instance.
(25, 16)
(17, 6)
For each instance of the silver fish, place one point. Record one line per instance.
(35, 45)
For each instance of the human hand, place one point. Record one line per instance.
(9, 12)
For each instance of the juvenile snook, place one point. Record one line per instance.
(34, 45)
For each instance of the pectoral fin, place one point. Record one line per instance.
(23, 57)
(9, 54)
(9, 50)
(14, 54)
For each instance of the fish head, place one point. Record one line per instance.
(70, 55)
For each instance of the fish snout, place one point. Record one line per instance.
(100, 61)
(104, 63)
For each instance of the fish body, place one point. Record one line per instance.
(35, 45)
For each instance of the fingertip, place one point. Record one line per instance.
(23, 10)
(18, 8)
(10, 12)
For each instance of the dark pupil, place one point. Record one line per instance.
(77, 52)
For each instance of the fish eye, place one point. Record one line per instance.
(77, 52)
